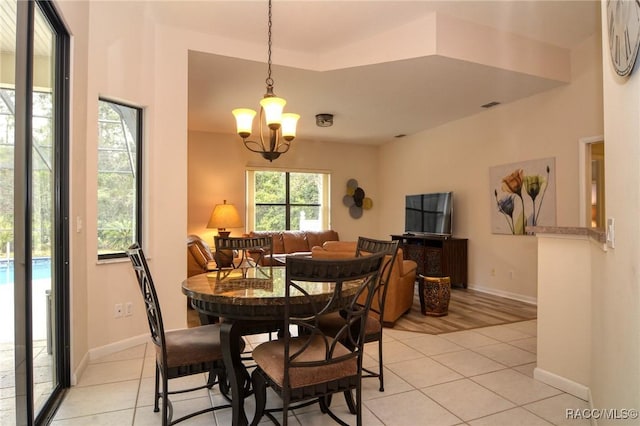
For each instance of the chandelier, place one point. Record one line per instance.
(281, 126)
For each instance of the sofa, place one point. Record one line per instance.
(401, 283)
(287, 243)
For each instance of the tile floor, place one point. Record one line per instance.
(475, 377)
(43, 379)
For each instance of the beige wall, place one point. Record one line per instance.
(216, 172)
(115, 59)
(458, 155)
(615, 313)
(564, 311)
(120, 68)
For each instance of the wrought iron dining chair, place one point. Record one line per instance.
(311, 366)
(179, 353)
(332, 322)
(251, 251)
(373, 328)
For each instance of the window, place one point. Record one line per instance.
(287, 200)
(119, 178)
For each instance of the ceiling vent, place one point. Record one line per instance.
(491, 104)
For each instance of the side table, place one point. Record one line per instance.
(434, 293)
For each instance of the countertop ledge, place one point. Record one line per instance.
(596, 234)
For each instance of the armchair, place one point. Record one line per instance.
(199, 256)
(399, 298)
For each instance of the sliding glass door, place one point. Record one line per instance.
(34, 343)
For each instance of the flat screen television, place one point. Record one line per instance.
(429, 213)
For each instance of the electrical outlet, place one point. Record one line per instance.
(128, 309)
(117, 312)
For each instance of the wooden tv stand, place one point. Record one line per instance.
(437, 256)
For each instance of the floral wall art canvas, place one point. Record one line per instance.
(523, 195)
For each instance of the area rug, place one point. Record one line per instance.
(468, 309)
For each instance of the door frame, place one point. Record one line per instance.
(23, 144)
(584, 176)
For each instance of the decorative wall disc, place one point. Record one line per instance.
(356, 200)
(355, 212)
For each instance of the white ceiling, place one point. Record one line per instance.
(386, 87)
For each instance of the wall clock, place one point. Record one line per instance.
(623, 18)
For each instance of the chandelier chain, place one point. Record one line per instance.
(269, 80)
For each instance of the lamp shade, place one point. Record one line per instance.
(244, 121)
(224, 216)
(273, 107)
(289, 123)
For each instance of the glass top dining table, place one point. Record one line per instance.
(252, 301)
(256, 293)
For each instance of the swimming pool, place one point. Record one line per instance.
(40, 269)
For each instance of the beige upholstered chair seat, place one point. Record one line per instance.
(270, 357)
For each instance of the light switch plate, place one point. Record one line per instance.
(611, 232)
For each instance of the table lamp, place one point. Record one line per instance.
(224, 216)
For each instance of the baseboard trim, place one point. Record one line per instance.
(106, 350)
(506, 294)
(121, 345)
(569, 386)
(77, 373)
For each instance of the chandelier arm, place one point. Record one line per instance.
(261, 124)
(258, 147)
(274, 141)
(254, 146)
(284, 143)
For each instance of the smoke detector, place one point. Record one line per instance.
(324, 120)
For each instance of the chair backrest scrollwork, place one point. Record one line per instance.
(250, 252)
(149, 296)
(350, 279)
